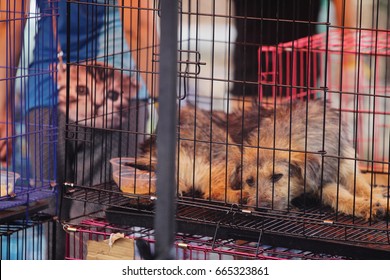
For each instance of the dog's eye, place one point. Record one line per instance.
(82, 90)
(250, 181)
(113, 95)
(276, 177)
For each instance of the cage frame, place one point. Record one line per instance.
(133, 211)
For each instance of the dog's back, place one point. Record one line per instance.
(207, 157)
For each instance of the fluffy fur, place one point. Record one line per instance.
(291, 154)
(273, 157)
(208, 159)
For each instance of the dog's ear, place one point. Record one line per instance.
(306, 167)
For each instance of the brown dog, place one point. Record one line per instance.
(303, 148)
(208, 160)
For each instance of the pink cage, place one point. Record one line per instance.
(345, 67)
(186, 246)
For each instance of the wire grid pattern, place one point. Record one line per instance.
(308, 67)
(312, 223)
(187, 247)
(31, 182)
(206, 79)
(26, 240)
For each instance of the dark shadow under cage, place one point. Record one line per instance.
(282, 134)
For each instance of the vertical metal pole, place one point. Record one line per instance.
(164, 224)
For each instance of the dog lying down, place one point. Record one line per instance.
(304, 150)
(207, 158)
(285, 153)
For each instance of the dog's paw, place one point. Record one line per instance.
(375, 213)
(378, 211)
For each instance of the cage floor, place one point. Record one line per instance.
(25, 198)
(26, 201)
(25, 194)
(311, 228)
(186, 246)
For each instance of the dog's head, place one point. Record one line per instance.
(276, 177)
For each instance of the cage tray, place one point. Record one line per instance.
(242, 226)
(20, 211)
(308, 229)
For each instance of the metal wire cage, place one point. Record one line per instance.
(241, 65)
(358, 88)
(26, 184)
(98, 133)
(27, 239)
(186, 246)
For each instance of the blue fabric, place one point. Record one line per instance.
(95, 33)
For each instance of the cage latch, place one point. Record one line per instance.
(189, 65)
(69, 228)
(328, 222)
(182, 245)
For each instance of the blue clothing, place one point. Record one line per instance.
(95, 33)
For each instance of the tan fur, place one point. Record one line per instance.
(283, 162)
(208, 160)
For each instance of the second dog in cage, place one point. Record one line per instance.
(303, 148)
(208, 159)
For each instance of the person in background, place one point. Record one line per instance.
(10, 24)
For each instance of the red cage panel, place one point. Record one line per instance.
(186, 246)
(347, 68)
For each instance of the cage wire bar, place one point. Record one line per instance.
(362, 96)
(185, 246)
(166, 181)
(27, 185)
(27, 239)
(306, 224)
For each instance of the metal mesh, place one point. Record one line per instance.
(187, 246)
(231, 56)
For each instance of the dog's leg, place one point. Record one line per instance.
(354, 181)
(340, 199)
(226, 183)
(218, 187)
(357, 185)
